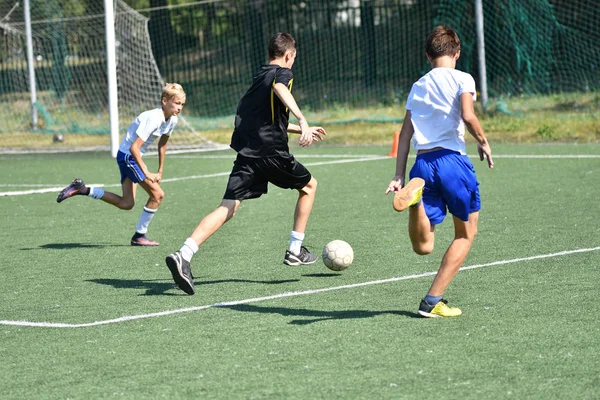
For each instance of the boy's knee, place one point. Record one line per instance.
(126, 205)
(473, 234)
(469, 234)
(311, 187)
(231, 207)
(231, 213)
(159, 196)
(423, 249)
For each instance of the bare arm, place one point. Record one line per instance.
(307, 134)
(137, 156)
(293, 128)
(406, 134)
(474, 128)
(162, 150)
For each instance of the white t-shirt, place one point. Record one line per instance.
(148, 126)
(434, 103)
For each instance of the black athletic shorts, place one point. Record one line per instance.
(250, 176)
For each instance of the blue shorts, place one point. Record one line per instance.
(129, 168)
(450, 184)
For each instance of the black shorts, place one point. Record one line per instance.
(249, 177)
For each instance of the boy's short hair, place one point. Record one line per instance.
(172, 90)
(443, 41)
(279, 44)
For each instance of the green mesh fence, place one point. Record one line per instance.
(351, 53)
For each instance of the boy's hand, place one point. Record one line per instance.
(485, 150)
(310, 134)
(152, 177)
(318, 133)
(395, 185)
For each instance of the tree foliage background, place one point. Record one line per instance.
(350, 52)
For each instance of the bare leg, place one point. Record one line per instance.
(155, 194)
(420, 230)
(464, 233)
(213, 221)
(125, 202)
(306, 198)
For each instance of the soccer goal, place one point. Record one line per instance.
(54, 78)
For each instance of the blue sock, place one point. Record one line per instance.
(432, 300)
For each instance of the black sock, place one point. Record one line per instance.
(138, 235)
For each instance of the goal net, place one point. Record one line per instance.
(354, 56)
(69, 49)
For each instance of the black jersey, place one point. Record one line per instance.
(261, 120)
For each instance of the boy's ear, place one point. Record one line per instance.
(457, 55)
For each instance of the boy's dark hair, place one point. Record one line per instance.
(443, 41)
(279, 44)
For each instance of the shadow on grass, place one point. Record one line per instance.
(312, 316)
(322, 275)
(153, 288)
(160, 287)
(68, 246)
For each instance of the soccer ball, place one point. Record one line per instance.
(337, 255)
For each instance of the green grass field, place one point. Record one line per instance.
(84, 315)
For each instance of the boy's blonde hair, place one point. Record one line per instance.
(443, 41)
(172, 90)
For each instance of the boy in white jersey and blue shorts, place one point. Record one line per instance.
(439, 106)
(143, 131)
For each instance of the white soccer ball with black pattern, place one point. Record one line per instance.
(337, 255)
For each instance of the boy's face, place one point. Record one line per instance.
(172, 106)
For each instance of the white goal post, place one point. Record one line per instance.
(111, 73)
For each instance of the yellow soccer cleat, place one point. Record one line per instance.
(409, 195)
(440, 310)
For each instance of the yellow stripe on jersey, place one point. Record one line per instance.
(290, 83)
(273, 102)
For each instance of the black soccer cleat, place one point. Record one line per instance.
(181, 271)
(304, 258)
(76, 187)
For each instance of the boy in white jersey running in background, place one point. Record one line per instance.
(143, 131)
(439, 106)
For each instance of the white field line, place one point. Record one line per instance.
(344, 158)
(304, 156)
(282, 295)
(183, 178)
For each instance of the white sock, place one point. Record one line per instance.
(296, 239)
(145, 218)
(96, 192)
(188, 249)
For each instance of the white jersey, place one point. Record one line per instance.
(434, 103)
(148, 126)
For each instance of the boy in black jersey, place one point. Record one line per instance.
(260, 138)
